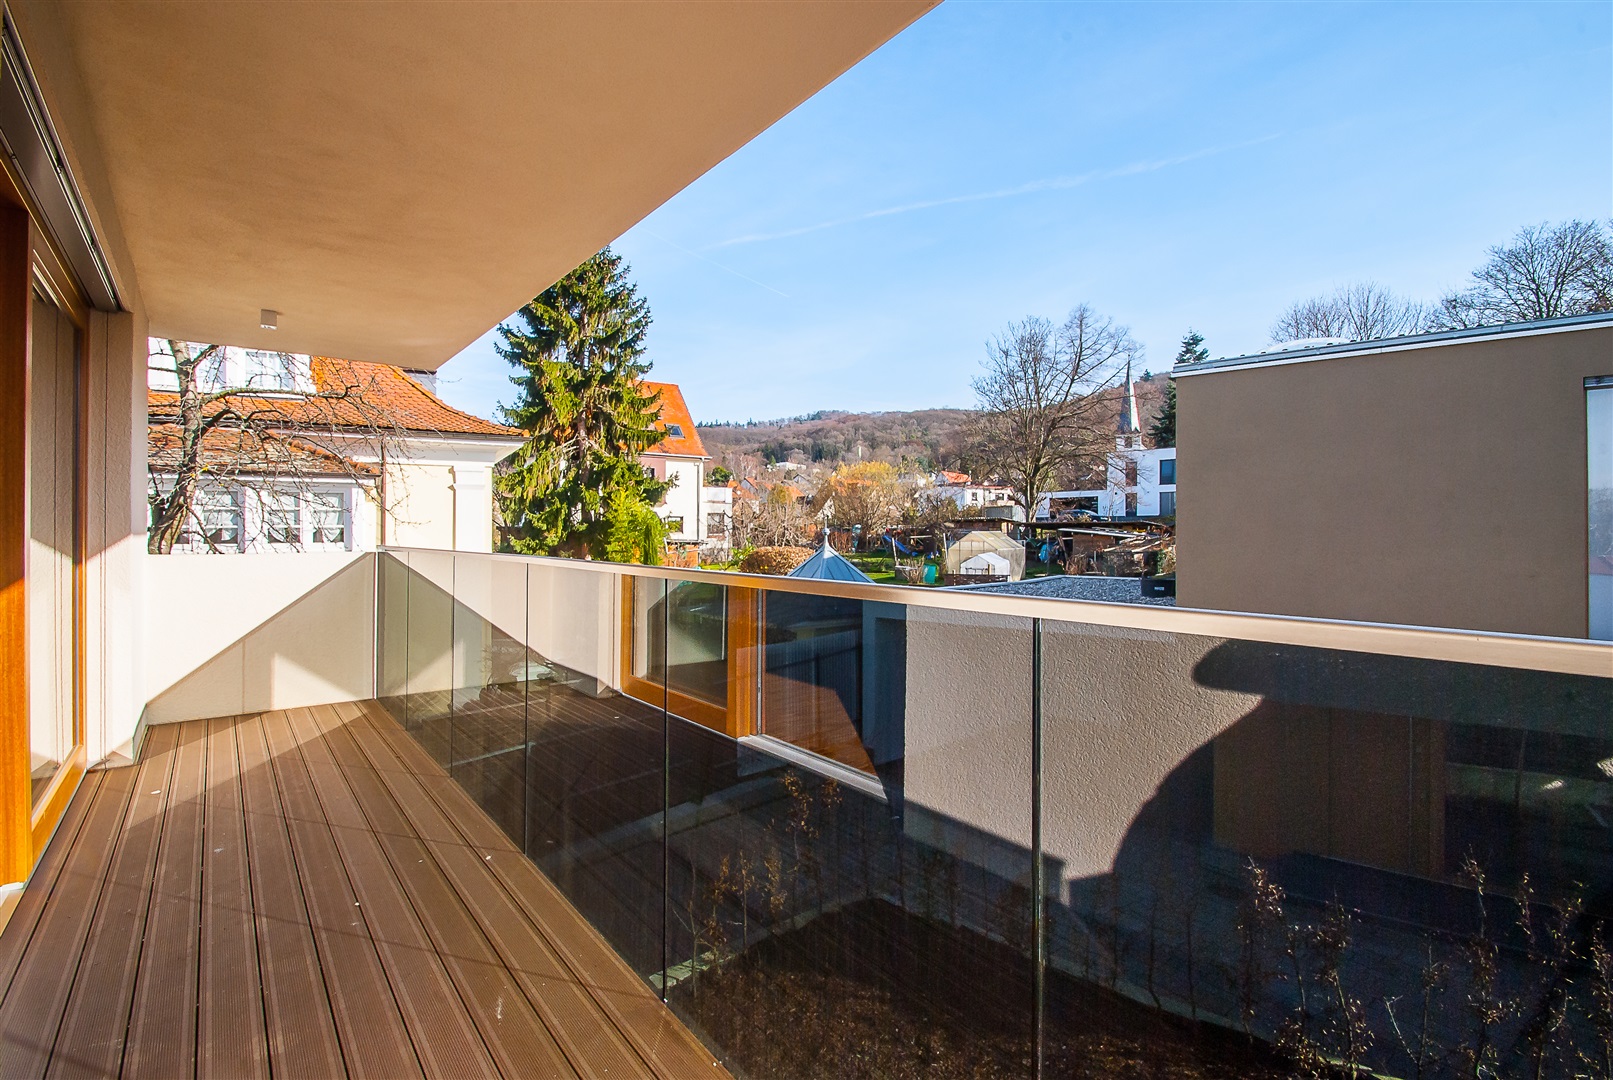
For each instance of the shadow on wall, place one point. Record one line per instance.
(316, 647)
(1387, 862)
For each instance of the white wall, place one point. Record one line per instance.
(683, 499)
(440, 504)
(256, 631)
(1112, 499)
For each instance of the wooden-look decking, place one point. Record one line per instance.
(305, 893)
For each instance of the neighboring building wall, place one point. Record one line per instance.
(717, 516)
(1438, 486)
(683, 501)
(1155, 493)
(440, 506)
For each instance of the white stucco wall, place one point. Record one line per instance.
(1112, 499)
(445, 504)
(256, 631)
(683, 500)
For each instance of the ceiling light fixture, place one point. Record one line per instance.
(268, 320)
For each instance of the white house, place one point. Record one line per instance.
(357, 437)
(717, 510)
(1140, 481)
(972, 499)
(680, 457)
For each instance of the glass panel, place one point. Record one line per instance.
(812, 676)
(492, 668)
(1392, 864)
(852, 886)
(52, 485)
(392, 628)
(595, 759)
(1599, 437)
(430, 652)
(687, 629)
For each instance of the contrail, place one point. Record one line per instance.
(1056, 183)
(712, 261)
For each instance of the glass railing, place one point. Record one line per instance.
(866, 831)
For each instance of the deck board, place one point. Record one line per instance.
(297, 1012)
(230, 1038)
(162, 1020)
(308, 894)
(372, 1029)
(95, 1024)
(32, 1011)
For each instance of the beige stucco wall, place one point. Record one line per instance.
(1441, 486)
(114, 533)
(967, 768)
(434, 505)
(251, 632)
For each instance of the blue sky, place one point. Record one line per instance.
(1173, 165)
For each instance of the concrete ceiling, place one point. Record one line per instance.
(394, 178)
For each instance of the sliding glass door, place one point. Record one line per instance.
(55, 727)
(55, 731)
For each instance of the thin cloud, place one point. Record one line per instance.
(1057, 183)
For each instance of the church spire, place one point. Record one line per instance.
(1129, 423)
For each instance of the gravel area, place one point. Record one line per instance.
(1109, 590)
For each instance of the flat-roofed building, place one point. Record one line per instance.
(1435, 480)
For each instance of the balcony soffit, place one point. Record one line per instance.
(393, 179)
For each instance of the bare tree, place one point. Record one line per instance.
(1547, 271)
(1041, 410)
(780, 519)
(272, 433)
(867, 495)
(1360, 312)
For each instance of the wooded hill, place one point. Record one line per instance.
(924, 438)
(928, 438)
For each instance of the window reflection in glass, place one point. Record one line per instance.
(682, 638)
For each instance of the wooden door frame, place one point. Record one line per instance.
(16, 313)
(29, 262)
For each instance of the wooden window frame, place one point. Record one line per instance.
(736, 716)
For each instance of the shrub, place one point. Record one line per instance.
(774, 560)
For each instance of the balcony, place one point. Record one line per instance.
(865, 830)
(841, 830)
(304, 893)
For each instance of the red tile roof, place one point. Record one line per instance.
(237, 452)
(356, 394)
(674, 411)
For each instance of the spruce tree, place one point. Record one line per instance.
(576, 487)
(1192, 351)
